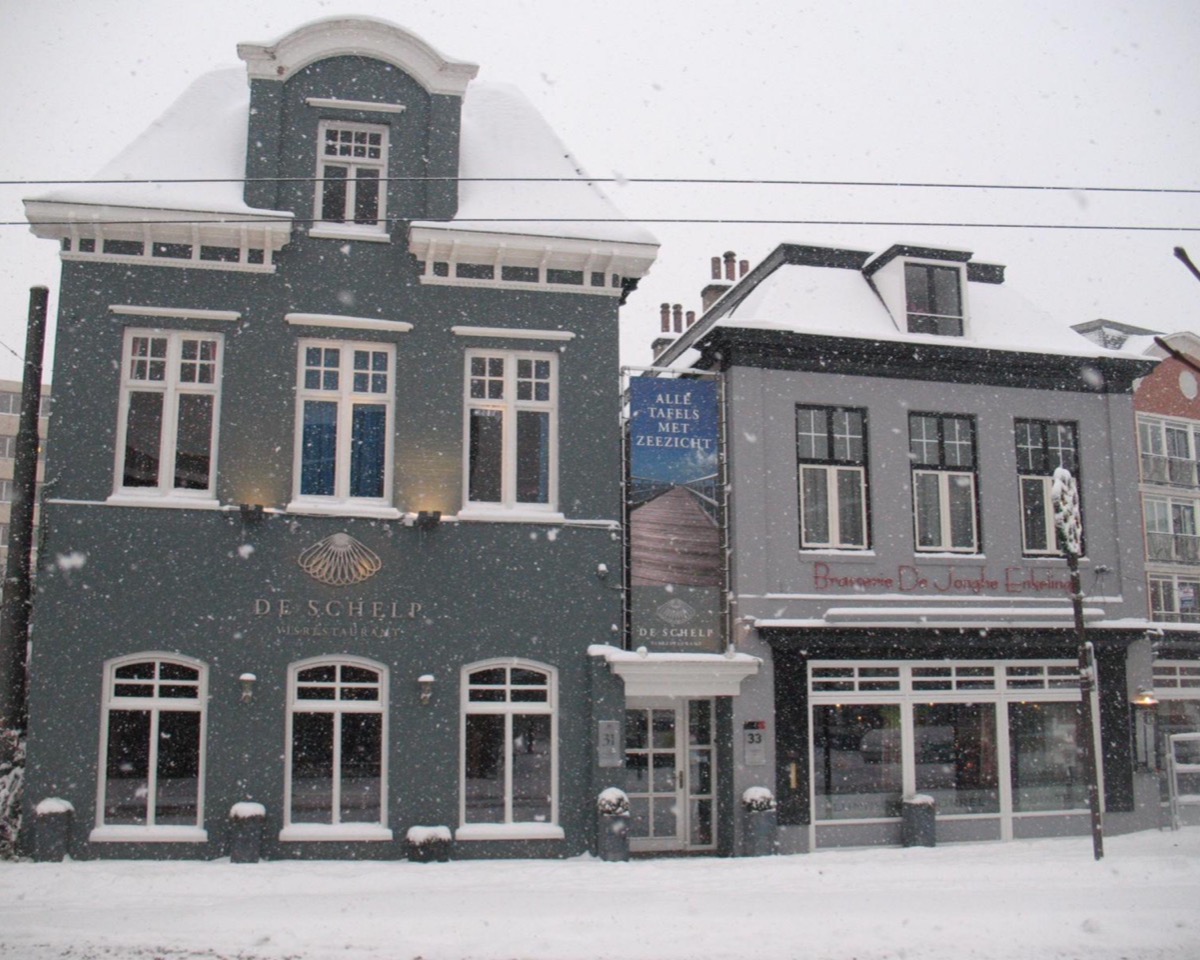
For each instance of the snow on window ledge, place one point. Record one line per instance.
(309, 832)
(336, 231)
(169, 502)
(505, 515)
(509, 831)
(343, 508)
(130, 833)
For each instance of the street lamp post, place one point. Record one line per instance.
(1069, 524)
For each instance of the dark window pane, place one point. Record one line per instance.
(492, 677)
(1033, 508)
(140, 671)
(178, 793)
(533, 456)
(474, 271)
(850, 508)
(366, 196)
(358, 675)
(956, 756)
(485, 458)
(323, 674)
(814, 499)
(1043, 757)
(519, 274)
(175, 671)
(483, 758)
(362, 756)
(857, 761)
(531, 774)
(127, 767)
(312, 767)
(319, 448)
(333, 194)
(193, 449)
(528, 678)
(368, 441)
(143, 438)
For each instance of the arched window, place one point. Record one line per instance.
(336, 782)
(152, 749)
(510, 748)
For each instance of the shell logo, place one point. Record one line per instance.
(339, 561)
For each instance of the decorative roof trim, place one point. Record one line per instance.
(357, 37)
(430, 242)
(512, 334)
(332, 103)
(346, 323)
(173, 313)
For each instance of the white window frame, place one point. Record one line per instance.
(346, 398)
(833, 467)
(1156, 462)
(1171, 581)
(961, 316)
(509, 829)
(1050, 532)
(945, 531)
(508, 507)
(155, 706)
(335, 830)
(1044, 454)
(1160, 518)
(347, 225)
(172, 387)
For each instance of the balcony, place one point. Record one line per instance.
(1169, 470)
(1176, 547)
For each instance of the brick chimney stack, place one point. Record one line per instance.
(715, 290)
(665, 314)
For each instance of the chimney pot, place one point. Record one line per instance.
(730, 258)
(743, 268)
(716, 268)
(677, 311)
(665, 314)
(691, 317)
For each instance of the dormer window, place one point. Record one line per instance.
(933, 295)
(351, 174)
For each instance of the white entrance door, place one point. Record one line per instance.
(670, 775)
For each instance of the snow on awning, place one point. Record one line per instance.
(678, 674)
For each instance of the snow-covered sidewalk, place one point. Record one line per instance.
(1028, 900)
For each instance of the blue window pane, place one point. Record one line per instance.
(360, 383)
(379, 360)
(312, 357)
(362, 359)
(319, 448)
(368, 441)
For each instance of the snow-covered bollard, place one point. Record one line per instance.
(428, 844)
(245, 831)
(759, 822)
(52, 838)
(613, 829)
(918, 820)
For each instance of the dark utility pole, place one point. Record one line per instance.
(1069, 524)
(14, 616)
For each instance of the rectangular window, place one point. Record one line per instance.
(942, 451)
(831, 454)
(1169, 452)
(344, 421)
(351, 174)
(170, 392)
(934, 299)
(511, 431)
(1042, 447)
(1175, 599)
(1171, 530)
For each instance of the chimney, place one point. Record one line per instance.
(716, 268)
(691, 317)
(730, 260)
(714, 291)
(665, 313)
(743, 268)
(660, 344)
(677, 317)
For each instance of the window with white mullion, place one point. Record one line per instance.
(831, 455)
(1042, 446)
(1169, 452)
(945, 509)
(351, 174)
(1171, 530)
(170, 389)
(511, 429)
(344, 421)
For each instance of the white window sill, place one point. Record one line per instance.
(506, 515)
(151, 834)
(310, 832)
(343, 508)
(334, 231)
(509, 831)
(167, 501)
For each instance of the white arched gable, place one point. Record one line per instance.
(359, 37)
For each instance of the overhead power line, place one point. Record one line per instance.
(736, 221)
(689, 181)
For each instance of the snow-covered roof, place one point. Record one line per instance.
(202, 136)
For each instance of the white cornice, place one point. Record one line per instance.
(346, 323)
(512, 333)
(678, 674)
(173, 313)
(357, 37)
(430, 242)
(333, 103)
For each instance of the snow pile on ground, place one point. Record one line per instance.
(1029, 900)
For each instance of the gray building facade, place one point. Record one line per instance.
(334, 479)
(894, 420)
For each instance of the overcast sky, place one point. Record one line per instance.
(1079, 94)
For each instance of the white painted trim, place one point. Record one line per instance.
(679, 674)
(315, 832)
(133, 261)
(345, 507)
(360, 37)
(332, 103)
(346, 323)
(478, 514)
(512, 334)
(168, 502)
(173, 313)
(605, 291)
(326, 231)
(510, 831)
(156, 834)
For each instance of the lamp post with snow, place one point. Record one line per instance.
(1067, 520)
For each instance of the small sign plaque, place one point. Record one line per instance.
(754, 743)
(608, 744)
